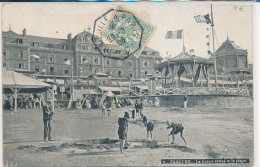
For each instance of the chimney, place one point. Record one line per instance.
(69, 36)
(24, 32)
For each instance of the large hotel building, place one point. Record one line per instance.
(52, 57)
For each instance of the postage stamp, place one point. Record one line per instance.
(127, 31)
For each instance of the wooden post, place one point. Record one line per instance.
(15, 99)
(52, 99)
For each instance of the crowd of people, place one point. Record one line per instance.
(23, 102)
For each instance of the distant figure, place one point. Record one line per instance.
(104, 109)
(37, 103)
(149, 129)
(109, 111)
(157, 102)
(47, 119)
(7, 105)
(145, 102)
(137, 108)
(93, 103)
(185, 99)
(122, 130)
(141, 108)
(88, 104)
(150, 103)
(176, 128)
(30, 103)
(133, 114)
(145, 120)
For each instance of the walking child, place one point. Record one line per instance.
(149, 129)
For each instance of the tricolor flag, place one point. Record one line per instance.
(202, 19)
(174, 34)
(67, 62)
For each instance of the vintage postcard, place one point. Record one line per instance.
(127, 84)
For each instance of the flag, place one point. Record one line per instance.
(67, 62)
(43, 70)
(202, 19)
(174, 34)
(36, 56)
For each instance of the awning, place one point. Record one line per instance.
(112, 89)
(26, 84)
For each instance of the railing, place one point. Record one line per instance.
(192, 91)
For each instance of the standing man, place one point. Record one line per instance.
(137, 108)
(185, 101)
(47, 119)
(141, 105)
(122, 130)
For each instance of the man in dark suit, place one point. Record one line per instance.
(47, 119)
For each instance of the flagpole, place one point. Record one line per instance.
(183, 48)
(72, 86)
(215, 63)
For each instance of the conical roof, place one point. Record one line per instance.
(229, 46)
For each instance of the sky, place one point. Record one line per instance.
(57, 20)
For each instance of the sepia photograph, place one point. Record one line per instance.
(127, 84)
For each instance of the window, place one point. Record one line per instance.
(51, 59)
(20, 66)
(131, 75)
(65, 47)
(146, 64)
(82, 38)
(4, 65)
(108, 72)
(96, 49)
(119, 73)
(145, 73)
(96, 70)
(20, 41)
(66, 71)
(118, 51)
(83, 59)
(51, 69)
(37, 68)
(5, 54)
(83, 47)
(50, 45)
(36, 44)
(129, 64)
(96, 60)
(21, 55)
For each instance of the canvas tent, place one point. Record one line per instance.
(13, 82)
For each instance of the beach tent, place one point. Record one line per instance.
(13, 82)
